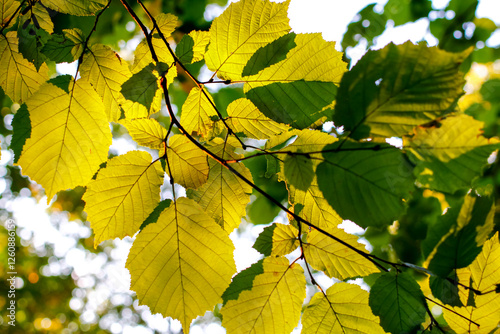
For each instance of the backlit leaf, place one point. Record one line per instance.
(193, 46)
(224, 196)
(271, 304)
(197, 113)
(344, 309)
(76, 7)
(449, 157)
(18, 77)
(107, 72)
(122, 196)
(146, 132)
(66, 47)
(187, 162)
(397, 299)
(70, 135)
(242, 29)
(7, 9)
(277, 239)
(392, 90)
(21, 125)
(167, 23)
(181, 265)
(335, 259)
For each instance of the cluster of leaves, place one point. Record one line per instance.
(181, 262)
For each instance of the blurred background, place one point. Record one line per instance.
(64, 285)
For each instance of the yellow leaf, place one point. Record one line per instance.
(142, 56)
(187, 162)
(181, 265)
(242, 29)
(167, 23)
(483, 274)
(224, 196)
(245, 117)
(18, 77)
(344, 309)
(7, 9)
(70, 136)
(334, 258)
(197, 113)
(123, 195)
(192, 47)
(272, 305)
(146, 132)
(277, 239)
(107, 72)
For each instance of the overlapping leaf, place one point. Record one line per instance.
(188, 164)
(277, 239)
(374, 176)
(242, 29)
(18, 77)
(70, 135)
(390, 91)
(246, 118)
(198, 113)
(344, 309)
(484, 275)
(123, 195)
(7, 9)
(192, 46)
(107, 72)
(266, 298)
(336, 259)
(181, 265)
(146, 132)
(224, 196)
(65, 47)
(76, 7)
(450, 156)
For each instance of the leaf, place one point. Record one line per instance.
(18, 77)
(7, 9)
(192, 46)
(392, 90)
(298, 170)
(106, 72)
(445, 291)
(244, 117)
(449, 157)
(197, 113)
(146, 132)
(76, 7)
(242, 29)
(397, 299)
(31, 41)
(141, 87)
(335, 259)
(21, 126)
(153, 216)
(277, 239)
(182, 264)
(466, 229)
(123, 195)
(66, 47)
(344, 309)
(142, 56)
(166, 22)
(70, 135)
(484, 273)
(374, 176)
(188, 164)
(43, 18)
(224, 196)
(273, 302)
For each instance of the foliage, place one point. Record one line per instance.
(267, 143)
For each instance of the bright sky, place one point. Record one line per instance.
(330, 17)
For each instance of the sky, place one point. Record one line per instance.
(329, 17)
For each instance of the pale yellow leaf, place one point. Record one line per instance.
(197, 113)
(146, 132)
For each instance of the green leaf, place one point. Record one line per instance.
(66, 47)
(197, 113)
(146, 132)
(193, 46)
(298, 170)
(377, 23)
(272, 305)
(76, 7)
(374, 176)
(123, 195)
(141, 87)
(31, 41)
(70, 136)
(224, 196)
(397, 299)
(392, 90)
(244, 117)
(18, 77)
(343, 309)
(445, 291)
(448, 157)
(182, 264)
(467, 228)
(242, 29)
(108, 73)
(277, 239)
(21, 126)
(188, 164)
(335, 259)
